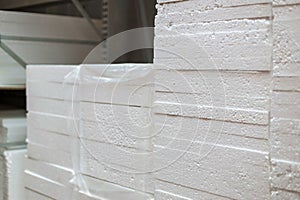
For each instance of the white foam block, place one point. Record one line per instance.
(12, 126)
(208, 99)
(59, 107)
(96, 163)
(286, 84)
(110, 133)
(32, 195)
(46, 186)
(285, 175)
(13, 134)
(45, 129)
(170, 126)
(284, 139)
(9, 118)
(165, 190)
(50, 139)
(241, 25)
(285, 105)
(163, 195)
(98, 189)
(126, 84)
(53, 90)
(117, 93)
(11, 176)
(134, 159)
(215, 113)
(53, 123)
(217, 84)
(56, 173)
(172, 131)
(286, 40)
(171, 6)
(218, 14)
(283, 194)
(131, 120)
(285, 2)
(209, 53)
(220, 170)
(53, 156)
(131, 178)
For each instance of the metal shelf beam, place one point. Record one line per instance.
(13, 4)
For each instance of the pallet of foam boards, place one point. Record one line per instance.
(28, 38)
(11, 174)
(13, 126)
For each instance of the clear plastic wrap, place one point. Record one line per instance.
(111, 130)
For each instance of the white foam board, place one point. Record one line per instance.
(229, 172)
(54, 172)
(131, 120)
(60, 107)
(171, 131)
(13, 134)
(12, 166)
(217, 14)
(12, 126)
(9, 118)
(92, 165)
(53, 123)
(126, 84)
(98, 189)
(217, 84)
(52, 90)
(32, 195)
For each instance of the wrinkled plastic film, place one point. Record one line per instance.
(115, 73)
(110, 86)
(71, 98)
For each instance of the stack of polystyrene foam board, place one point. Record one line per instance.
(285, 106)
(49, 96)
(120, 94)
(12, 127)
(53, 141)
(213, 62)
(12, 139)
(12, 173)
(28, 38)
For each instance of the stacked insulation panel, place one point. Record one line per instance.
(115, 117)
(28, 38)
(82, 129)
(12, 152)
(12, 127)
(212, 100)
(221, 120)
(46, 172)
(12, 173)
(285, 107)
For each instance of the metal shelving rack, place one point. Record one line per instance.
(21, 4)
